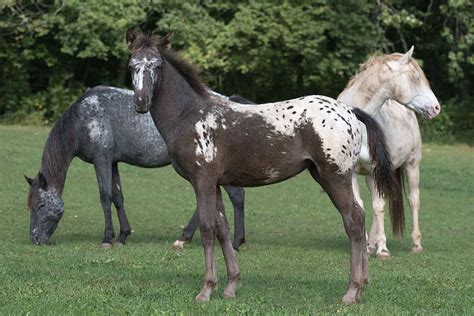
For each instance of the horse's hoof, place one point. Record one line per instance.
(201, 298)
(229, 295)
(106, 245)
(178, 245)
(349, 300)
(120, 244)
(384, 254)
(359, 295)
(371, 250)
(416, 249)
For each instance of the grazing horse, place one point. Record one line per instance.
(213, 142)
(401, 131)
(102, 128)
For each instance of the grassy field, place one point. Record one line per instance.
(295, 260)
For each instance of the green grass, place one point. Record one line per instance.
(296, 259)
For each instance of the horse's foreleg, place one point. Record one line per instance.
(206, 205)
(378, 204)
(339, 189)
(117, 198)
(413, 178)
(233, 271)
(103, 170)
(237, 197)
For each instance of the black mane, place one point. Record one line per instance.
(59, 147)
(188, 71)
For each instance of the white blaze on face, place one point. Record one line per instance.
(141, 69)
(204, 142)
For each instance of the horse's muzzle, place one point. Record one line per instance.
(142, 104)
(141, 110)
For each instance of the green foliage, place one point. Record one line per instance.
(264, 50)
(295, 261)
(45, 107)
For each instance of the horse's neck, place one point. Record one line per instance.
(365, 94)
(173, 102)
(58, 153)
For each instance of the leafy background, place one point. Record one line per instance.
(51, 51)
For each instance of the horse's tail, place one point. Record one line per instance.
(397, 212)
(387, 181)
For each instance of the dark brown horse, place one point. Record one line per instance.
(213, 142)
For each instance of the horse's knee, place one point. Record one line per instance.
(356, 222)
(378, 206)
(414, 199)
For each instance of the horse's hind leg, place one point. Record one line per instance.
(339, 189)
(188, 232)
(237, 197)
(413, 178)
(233, 271)
(117, 198)
(378, 205)
(356, 189)
(103, 171)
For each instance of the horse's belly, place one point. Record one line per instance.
(249, 173)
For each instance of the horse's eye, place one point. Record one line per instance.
(41, 205)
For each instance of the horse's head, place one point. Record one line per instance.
(145, 65)
(46, 209)
(408, 85)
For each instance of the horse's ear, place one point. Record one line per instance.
(29, 180)
(132, 34)
(407, 57)
(43, 184)
(166, 41)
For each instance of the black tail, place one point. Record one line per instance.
(387, 181)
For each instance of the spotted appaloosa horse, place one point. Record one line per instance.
(252, 145)
(396, 75)
(400, 78)
(103, 129)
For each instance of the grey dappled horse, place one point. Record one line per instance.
(213, 142)
(102, 128)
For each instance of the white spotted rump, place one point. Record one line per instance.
(334, 122)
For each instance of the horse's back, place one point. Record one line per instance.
(111, 129)
(281, 139)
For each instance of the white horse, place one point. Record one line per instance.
(374, 82)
